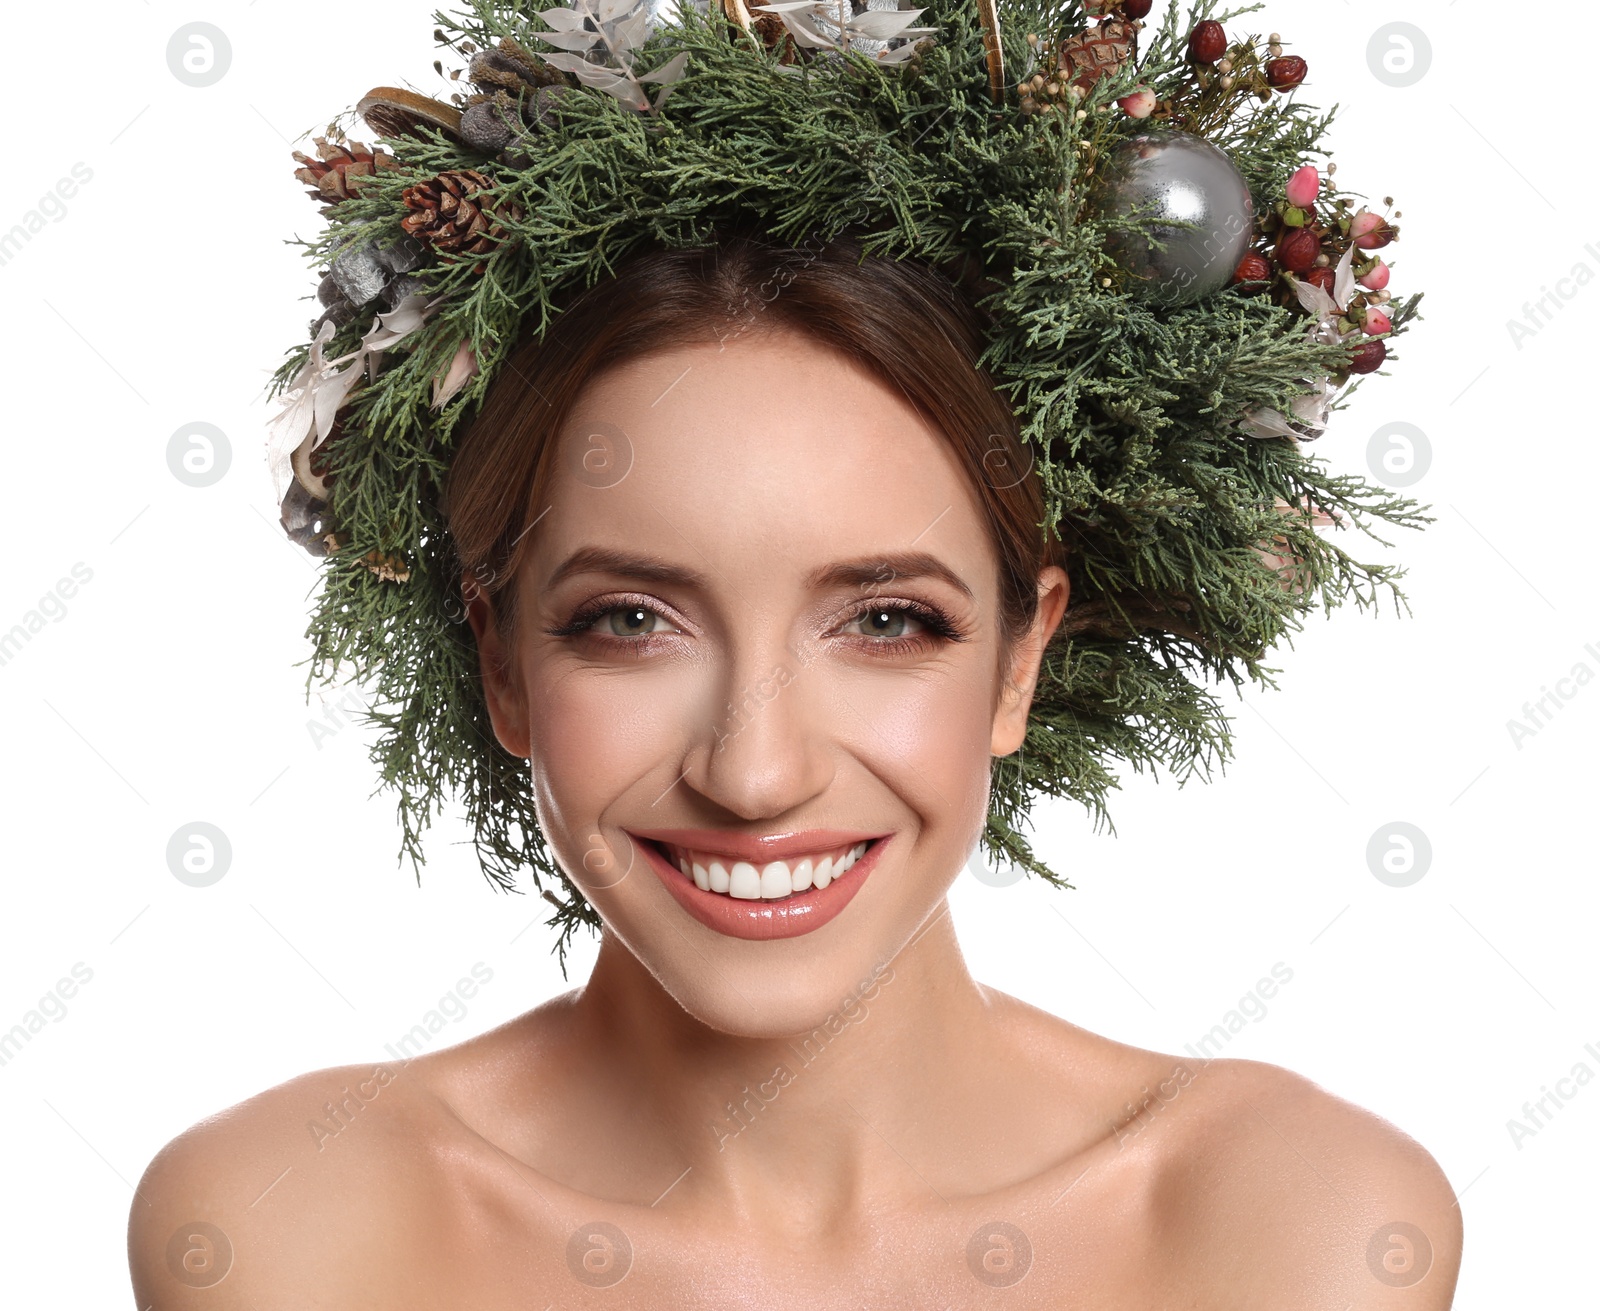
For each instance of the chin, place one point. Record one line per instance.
(767, 988)
(788, 999)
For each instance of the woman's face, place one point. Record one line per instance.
(733, 619)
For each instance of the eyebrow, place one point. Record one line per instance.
(851, 573)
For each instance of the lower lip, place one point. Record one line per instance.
(787, 917)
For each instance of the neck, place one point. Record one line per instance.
(820, 1122)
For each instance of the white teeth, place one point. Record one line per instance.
(775, 881)
(770, 882)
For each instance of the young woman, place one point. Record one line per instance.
(751, 602)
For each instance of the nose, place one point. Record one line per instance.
(768, 751)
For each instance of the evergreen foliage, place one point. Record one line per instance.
(1129, 409)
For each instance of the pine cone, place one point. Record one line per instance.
(457, 213)
(335, 175)
(775, 36)
(1090, 55)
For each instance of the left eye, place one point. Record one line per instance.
(886, 621)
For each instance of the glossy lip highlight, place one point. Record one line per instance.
(787, 917)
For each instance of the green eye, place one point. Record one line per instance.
(885, 621)
(631, 620)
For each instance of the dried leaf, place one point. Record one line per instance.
(1344, 280)
(804, 32)
(631, 32)
(460, 371)
(579, 41)
(625, 89)
(597, 37)
(563, 20)
(670, 71)
(815, 24)
(885, 24)
(901, 53)
(1315, 299)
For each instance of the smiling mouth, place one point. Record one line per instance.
(774, 880)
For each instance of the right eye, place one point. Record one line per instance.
(628, 621)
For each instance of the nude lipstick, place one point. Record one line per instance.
(762, 886)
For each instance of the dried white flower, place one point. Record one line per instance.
(598, 38)
(835, 25)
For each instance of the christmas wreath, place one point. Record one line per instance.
(1180, 295)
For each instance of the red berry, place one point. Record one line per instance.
(1136, 9)
(1253, 272)
(1297, 249)
(1208, 42)
(1321, 277)
(1368, 356)
(1286, 73)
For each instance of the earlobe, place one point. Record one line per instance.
(502, 686)
(1016, 698)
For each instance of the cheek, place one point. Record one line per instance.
(593, 735)
(929, 739)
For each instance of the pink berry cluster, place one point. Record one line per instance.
(1307, 240)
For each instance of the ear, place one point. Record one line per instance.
(1016, 697)
(502, 681)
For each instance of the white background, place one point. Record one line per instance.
(169, 693)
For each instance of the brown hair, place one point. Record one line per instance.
(905, 322)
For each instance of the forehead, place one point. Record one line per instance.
(769, 454)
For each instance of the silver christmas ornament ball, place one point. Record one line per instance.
(1178, 178)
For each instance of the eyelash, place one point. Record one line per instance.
(939, 625)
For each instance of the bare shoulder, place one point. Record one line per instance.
(289, 1197)
(1289, 1194)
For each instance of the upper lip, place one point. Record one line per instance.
(756, 847)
